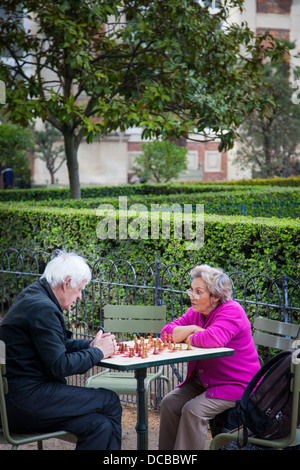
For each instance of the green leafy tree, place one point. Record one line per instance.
(15, 143)
(46, 150)
(270, 138)
(160, 161)
(93, 67)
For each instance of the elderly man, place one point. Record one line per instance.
(40, 354)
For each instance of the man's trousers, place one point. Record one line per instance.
(93, 415)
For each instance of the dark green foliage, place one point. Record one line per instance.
(253, 245)
(15, 142)
(171, 68)
(39, 194)
(269, 246)
(161, 161)
(256, 202)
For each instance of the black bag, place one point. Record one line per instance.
(265, 408)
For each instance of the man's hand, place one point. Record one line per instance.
(106, 342)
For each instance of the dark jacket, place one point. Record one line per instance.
(38, 348)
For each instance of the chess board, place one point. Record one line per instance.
(152, 354)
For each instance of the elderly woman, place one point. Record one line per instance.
(212, 385)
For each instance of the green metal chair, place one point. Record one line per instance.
(6, 437)
(291, 440)
(270, 334)
(274, 334)
(131, 319)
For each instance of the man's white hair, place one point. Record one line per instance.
(66, 265)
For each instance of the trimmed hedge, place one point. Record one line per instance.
(269, 246)
(292, 181)
(262, 202)
(39, 194)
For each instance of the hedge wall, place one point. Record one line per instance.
(40, 194)
(162, 188)
(262, 202)
(269, 246)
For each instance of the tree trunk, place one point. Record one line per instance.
(268, 170)
(71, 149)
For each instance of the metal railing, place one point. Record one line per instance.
(140, 283)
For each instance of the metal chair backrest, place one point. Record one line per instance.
(3, 391)
(275, 334)
(2, 353)
(295, 389)
(138, 319)
(17, 439)
(292, 439)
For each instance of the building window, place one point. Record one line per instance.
(212, 161)
(192, 160)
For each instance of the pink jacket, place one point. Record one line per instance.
(226, 326)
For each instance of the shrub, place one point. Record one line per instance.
(262, 202)
(39, 194)
(252, 245)
(161, 161)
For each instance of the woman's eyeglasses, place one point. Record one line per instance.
(196, 295)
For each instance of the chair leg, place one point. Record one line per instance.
(167, 380)
(40, 445)
(222, 440)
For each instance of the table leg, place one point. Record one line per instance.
(141, 426)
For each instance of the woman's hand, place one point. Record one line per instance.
(183, 333)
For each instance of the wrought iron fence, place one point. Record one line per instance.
(140, 283)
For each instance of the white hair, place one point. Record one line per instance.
(67, 265)
(217, 282)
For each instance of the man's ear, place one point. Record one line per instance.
(66, 282)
